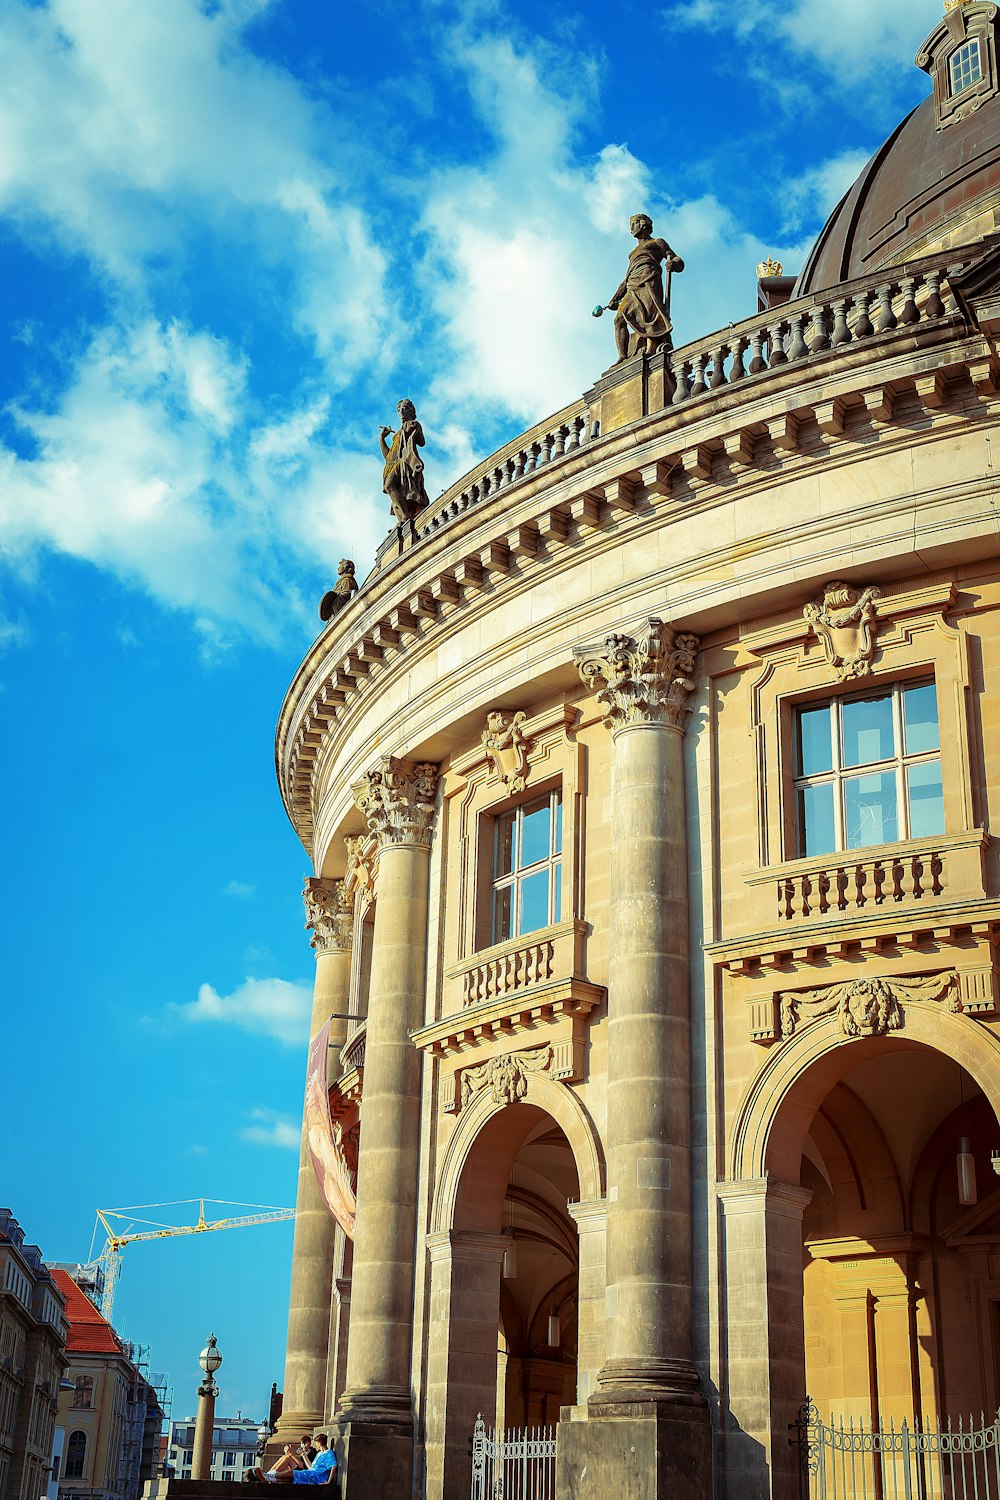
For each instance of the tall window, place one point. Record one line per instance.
(83, 1391)
(868, 770)
(76, 1453)
(965, 67)
(527, 867)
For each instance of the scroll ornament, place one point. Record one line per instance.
(505, 745)
(648, 678)
(398, 801)
(329, 914)
(866, 1007)
(844, 620)
(505, 1076)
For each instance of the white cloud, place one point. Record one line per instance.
(272, 1129)
(859, 39)
(240, 890)
(264, 1007)
(814, 195)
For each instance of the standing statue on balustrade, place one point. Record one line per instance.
(641, 304)
(403, 474)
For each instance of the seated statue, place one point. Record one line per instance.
(642, 303)
(403, 475)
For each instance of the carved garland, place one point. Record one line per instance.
(648, 678)
(329, 914)
(398, 800)
(866, 1007)
(844, 620)
(506, 1076)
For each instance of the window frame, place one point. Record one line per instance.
(899, 764)
(75, 1463)
(514, 879)
(972, 45)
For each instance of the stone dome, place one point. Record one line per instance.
(935, 182)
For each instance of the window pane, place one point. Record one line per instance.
(817, 833)
(867, 731)
(504, 856)
(557, 847)
(926, 799)
(920, 720)
(534, 902)
(502, 928)
(870, 810)
(557, 902)
(815, 751)
(535, 821)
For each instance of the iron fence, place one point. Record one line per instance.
(849, 1460)
(519, 1464)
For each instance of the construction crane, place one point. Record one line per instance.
(108, 1264)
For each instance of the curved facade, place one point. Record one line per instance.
(648, 783)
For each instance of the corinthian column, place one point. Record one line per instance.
(375, 1415)
(330, 920)
(645, 683)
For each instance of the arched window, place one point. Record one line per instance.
(76, 1453)
(965, 66)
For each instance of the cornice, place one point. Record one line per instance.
(672, 461)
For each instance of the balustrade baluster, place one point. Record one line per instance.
(936, 871)
(573, 434)
(823, 886)
(698, 386)
(776, 349)
(878, 878)
(719, 367)
(886, 316)
(908, 313)
(818, 336)
(897, 880)
(559, 442)
(737, 372)
(546, 449)
(682, 390)
(863, 327)
(841, 890)
(935, 306)
(917, 871)
(841, 330)
(758, 364)
(797, 346)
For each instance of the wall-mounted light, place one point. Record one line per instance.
(966, 1166)
(510, 1258)
(555, 1332)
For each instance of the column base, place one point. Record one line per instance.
(377, 1451)
(624, 1382)
(648, 1450)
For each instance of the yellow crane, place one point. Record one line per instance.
(109, 1263)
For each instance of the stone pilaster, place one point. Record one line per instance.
(375, 1414)
(591, 1220)
(648, 1400)
(329, 918)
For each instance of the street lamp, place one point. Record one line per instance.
(210, 1359)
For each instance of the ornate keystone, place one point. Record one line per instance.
(844, 620)
(505, 1076)
(398, 801)
(866, 1007)
(329, 915)
(648, 678)
(505, 746)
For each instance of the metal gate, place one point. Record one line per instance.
(841, 1460)
(519, 1464)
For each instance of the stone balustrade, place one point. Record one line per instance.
(352, 1054)
(533, 963)
(852, 885)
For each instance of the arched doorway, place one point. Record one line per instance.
(853, 1271)
(506, 1344)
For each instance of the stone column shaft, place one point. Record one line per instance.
(204, 1423)
(315, 1228)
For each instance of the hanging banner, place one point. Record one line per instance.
(330, 1145)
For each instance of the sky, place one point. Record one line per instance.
(233, 233)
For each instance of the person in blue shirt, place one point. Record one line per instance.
(320, 1471)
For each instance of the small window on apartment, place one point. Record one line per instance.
(229, 1457)
(189, 1455)
(527, 867)
(965, 67)
(83, 1391)
(868, 770)
(76, 1454)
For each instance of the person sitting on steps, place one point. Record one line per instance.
(320, 1471)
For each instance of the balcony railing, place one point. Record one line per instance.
(352, 1054)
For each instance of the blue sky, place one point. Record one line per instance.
(232, 234)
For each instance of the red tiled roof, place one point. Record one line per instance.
(89, 1333)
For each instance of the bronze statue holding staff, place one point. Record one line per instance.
(641, 304)
(403, 474)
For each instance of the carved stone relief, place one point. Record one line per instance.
(505, 1076)
(398, 800)
(359, 863)
(845, 621)
(648, 678)
(505, 745)
(329, 914)
(866, 1007)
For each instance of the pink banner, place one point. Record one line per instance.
(328, 1140)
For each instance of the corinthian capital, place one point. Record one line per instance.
(329, 915)
(398, 801)
(647, 678)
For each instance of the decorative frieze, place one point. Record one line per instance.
(648, 678)
(506, 1076)
(844, 620)
(504, 743)
(329, 914)
(866, 1007)
(398, 800)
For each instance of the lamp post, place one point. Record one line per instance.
(210, 1359)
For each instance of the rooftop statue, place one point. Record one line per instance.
(642, 303)
(341, 592)
(403, 475)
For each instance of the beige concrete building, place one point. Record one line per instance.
(32, 1359)
(648, 783)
